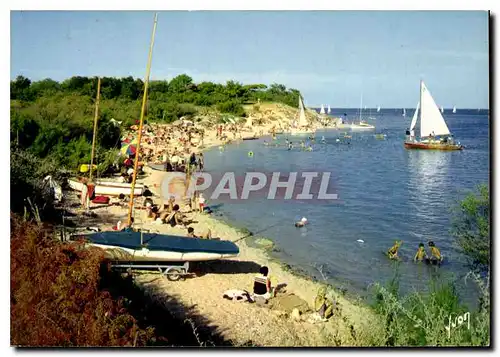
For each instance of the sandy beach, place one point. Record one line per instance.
(243, 323)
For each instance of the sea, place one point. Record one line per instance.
(385, 193)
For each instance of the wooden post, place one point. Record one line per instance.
(141, 123)
(96, 117)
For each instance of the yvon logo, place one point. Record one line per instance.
(459, 320)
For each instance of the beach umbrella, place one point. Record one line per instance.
(129, 148)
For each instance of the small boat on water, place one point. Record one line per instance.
(302, 126)
(108, 188)
(329, 109)
(322, 110)
(151, 247)
(361, 125)
(454, 110)
(432, 125)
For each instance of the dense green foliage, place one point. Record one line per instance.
(471, 228)
(428, 319)
(51, 123)
(51, 118)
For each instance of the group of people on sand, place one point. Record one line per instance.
(421, 256)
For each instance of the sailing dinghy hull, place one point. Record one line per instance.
(433, 146)
(108, 188)
(126, 246)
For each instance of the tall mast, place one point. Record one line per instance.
(141, 122)
(421, 88)
(96, 117)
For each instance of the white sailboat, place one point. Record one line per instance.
(302, 126)
(329, 110)
(322, 111)
(432, 124)
(454, 109)
(378, 109)
(404, 112)
(442, 110)
(362, 125)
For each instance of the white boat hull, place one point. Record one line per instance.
(127, 254)
(362, 127)
(109, 188)
(302, 132)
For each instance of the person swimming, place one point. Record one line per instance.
(301, 223)
(421, 254)
(393, 251)
(290, 146)
(435, 253)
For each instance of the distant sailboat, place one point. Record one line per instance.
(302, 127)
(329, 110)
(432, 124)
(442, 110)
(322, 111)
(362, 125)
(454, 109)
(378, 109)
(404, 112)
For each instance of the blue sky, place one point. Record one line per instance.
(332, 57)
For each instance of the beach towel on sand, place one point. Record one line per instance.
(237, 295)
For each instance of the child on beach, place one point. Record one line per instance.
(262, 284)
(201, 201)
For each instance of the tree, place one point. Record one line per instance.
(19, 88)
(471, 227)
(180, 83)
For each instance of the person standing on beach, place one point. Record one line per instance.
(201, 163)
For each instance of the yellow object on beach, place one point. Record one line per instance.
(86, 167)
(250, 153)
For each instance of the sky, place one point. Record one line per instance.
(336, 58)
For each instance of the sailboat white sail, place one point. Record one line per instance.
(414, 121)
(442, 109)
(431, 118)
(329, 110)
(322, 111)
(302, 115)
(404, 112)
(378, 109)
(454, 109)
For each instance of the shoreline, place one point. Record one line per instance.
(269, 325)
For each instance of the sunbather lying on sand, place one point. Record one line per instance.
(206, 235)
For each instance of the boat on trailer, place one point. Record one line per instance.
(432, 125)
(108, 188)
(152, 248)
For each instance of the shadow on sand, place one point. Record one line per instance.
(175, 324)
(224, 267)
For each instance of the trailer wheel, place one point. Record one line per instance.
(174, 274)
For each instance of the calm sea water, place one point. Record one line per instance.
(385, 193)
